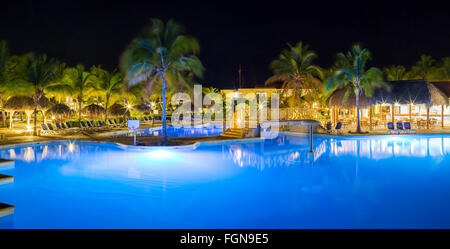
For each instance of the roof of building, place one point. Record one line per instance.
(398, 92)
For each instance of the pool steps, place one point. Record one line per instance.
(6, 164)
(5, 179)
(6, 209)
(236, 133)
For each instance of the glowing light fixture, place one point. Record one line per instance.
(161, 154)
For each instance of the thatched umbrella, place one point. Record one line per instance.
(142, 108)
(339, 99)
(59, 110)
(118, 110)
(19, 103)
(93, 109)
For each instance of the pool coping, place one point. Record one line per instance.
(209, 143)
(125, 146)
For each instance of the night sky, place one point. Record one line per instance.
(230, 32)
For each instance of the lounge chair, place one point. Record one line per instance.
(45, 130)
(408, 127)
(68, 125)
(390, 126)
(338, 128)
(146, 119)
(63, 125)
(58, 126)
(50, 127)
(400, 127)
(92, 123)
(111, 123)
(83, 125)
(329, 127)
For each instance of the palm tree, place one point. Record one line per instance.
(109, 83)
(295, 69)
(161, 52)
(4, 53)
(424, 68)
(354, 76)
(78, 82)
(40, 74)
(394, 73)
(444, 69)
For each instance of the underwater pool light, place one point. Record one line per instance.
(161, 154)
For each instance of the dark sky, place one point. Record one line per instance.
(230, 32)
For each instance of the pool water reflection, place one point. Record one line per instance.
(350, 182)
(191, 131)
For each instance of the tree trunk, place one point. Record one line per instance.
(358, 125)
(106, 108)
(43, 115)
(11, 113)
(164, 123)
(35, 120)
(79, 110)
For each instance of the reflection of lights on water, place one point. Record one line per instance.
(44, 152)
(71, 147)
(294, 156)
(12, 153)
(29, 154)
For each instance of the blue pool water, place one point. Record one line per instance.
(191, 131)
(354, 182)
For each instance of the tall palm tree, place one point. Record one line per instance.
(354, 76)
(295, 69)
(108, 84)
(40, 74)
(394, 73)
(162, 52)
(424, 68)
(4, 54)
(79, 83)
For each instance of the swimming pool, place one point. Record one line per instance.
(192, 131)
(350, 182)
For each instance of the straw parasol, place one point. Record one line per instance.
(142, 108)
(93, 109)
(19, 103)
(118, 110)
(59, 110)
(339, 99)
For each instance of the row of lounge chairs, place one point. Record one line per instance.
(404, 127)
(337, 129)
(84, 125)
(401, 127)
